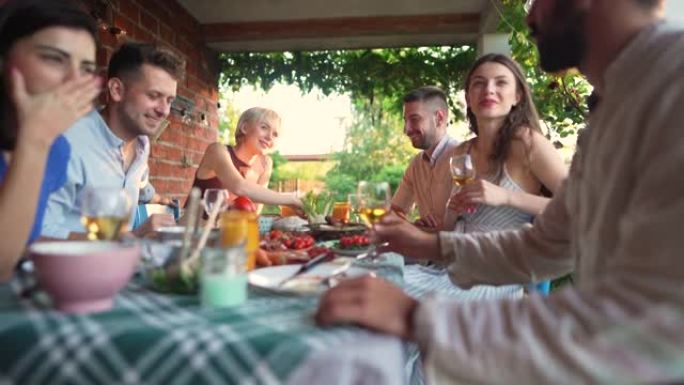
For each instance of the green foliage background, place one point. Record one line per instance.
(376, 80)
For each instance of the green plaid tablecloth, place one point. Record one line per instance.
(151, 338)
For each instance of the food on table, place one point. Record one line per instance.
(316, 206)
(289, 223)
(353, 242)
(262, 259)
(285, 247)
(243, 204)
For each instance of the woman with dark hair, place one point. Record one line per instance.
(47, 60)
(514, 162)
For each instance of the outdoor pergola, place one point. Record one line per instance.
(267, 25)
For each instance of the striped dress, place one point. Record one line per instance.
(490, 218)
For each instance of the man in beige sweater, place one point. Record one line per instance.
(616, 223)
(427, 180)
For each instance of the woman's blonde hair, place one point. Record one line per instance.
(254, 114)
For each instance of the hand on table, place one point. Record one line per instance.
(153, 223)
(405, 238)
(370, 302)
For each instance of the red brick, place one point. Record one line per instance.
(149, 22)
(171, 135)
(167, 35)
(143, 35)
(125, 24)
(129, 9)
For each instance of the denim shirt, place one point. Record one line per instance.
(97, 160)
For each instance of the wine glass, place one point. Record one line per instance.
(462, 173)
(105, 212)
(354, 206)
(213, 197)
(374, 199)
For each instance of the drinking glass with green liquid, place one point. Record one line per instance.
(223, 279)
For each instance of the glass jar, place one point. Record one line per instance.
(241, 228)
(223, 280)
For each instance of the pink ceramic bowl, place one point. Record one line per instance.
(83, 277)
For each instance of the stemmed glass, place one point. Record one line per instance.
(374, 200)
(213, 197)
(354, 206)
(462, 173)
(105, 212)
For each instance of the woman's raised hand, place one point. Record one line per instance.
(43, 116)
(479, 191)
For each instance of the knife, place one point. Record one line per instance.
(307, 266)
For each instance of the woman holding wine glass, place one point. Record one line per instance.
(47, 60)
(511, 159)
(245, 169)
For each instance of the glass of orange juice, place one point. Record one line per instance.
(241, 227)
(340, 212)
(287, 211)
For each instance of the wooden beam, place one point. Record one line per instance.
(342, 27)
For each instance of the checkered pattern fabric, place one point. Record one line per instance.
(151, 338)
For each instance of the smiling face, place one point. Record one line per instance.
(492, 91)
(260, 134)
(52, 56)
(143, 99)
(421, 124)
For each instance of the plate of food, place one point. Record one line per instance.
(351, 245)
(285, 247)
(313, 282)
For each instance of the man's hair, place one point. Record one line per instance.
(430, 94)
(128, 59)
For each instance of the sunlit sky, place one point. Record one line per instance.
(311, 123)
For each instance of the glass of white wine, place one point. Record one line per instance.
(462, 173)
(105, 213)
(374, 199)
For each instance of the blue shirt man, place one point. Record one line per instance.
(97, 160)
(111, 148)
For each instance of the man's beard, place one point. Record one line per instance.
(564, 45)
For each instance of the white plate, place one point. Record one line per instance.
(309, 283)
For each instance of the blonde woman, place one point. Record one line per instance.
(245, 169)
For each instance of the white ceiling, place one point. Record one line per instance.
(263, 25)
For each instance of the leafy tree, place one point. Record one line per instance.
(376, 79)
(374, 145)
(370, 76)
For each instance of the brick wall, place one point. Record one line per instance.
(178, 151)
